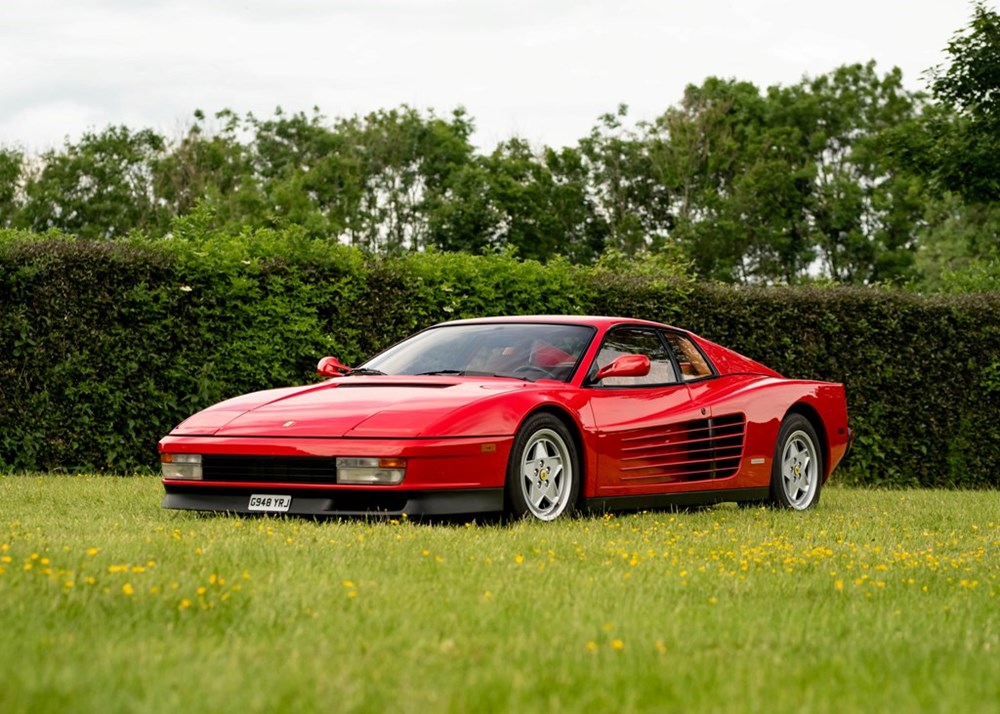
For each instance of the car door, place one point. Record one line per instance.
(643, 423)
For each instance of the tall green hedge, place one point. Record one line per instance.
(922, 373)
(104, 346)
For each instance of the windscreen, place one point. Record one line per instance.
(521, 350)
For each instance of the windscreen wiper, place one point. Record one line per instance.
(364, 372)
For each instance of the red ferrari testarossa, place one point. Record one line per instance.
(533, 416)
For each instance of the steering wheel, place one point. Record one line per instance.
(527, 369)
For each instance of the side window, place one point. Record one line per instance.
(690, 359)
(636, 341)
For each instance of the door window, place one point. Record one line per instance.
(636, 341)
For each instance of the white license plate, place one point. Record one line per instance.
(269, 503)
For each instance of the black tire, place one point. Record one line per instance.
(543, 473)
(797, 470)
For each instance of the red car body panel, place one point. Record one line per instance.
(457, 432)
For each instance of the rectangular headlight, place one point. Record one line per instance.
(181, 466)
(385, 471)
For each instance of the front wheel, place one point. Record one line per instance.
(797, 472)
(543, 476)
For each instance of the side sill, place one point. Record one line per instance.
(665, 500)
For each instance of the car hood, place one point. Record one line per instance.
(362, 407)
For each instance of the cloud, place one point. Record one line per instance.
(543, 70)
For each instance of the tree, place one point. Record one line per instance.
(953, 146)
(866, 213)
(462, 216)
(213, 169)
(964, 156)
(584, 233)
(517, 198)
(725, 172)
(959, 248)
(11, 167)
(628, 195)
(100, 187)
(392, 168)
(540, 202)
(309, 173)
(792, 183)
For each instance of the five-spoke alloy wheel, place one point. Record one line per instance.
(797, 473)
(543, 475)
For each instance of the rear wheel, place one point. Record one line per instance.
(543, 476)
(797, 472)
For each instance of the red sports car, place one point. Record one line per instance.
(533, 416)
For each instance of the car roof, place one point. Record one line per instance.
(602, 322)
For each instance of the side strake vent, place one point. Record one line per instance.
(688, 451)
(294, 469)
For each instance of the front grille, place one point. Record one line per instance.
(284, 469)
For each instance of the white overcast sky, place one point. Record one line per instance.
(543, 70)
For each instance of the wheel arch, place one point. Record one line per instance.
(574, 429)
(810, 414)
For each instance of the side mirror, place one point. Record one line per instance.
(331, 367)
(625, 366)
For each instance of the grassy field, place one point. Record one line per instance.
(876, 601)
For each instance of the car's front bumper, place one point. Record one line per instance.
(340, 503)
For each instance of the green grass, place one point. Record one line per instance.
(876, 601)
